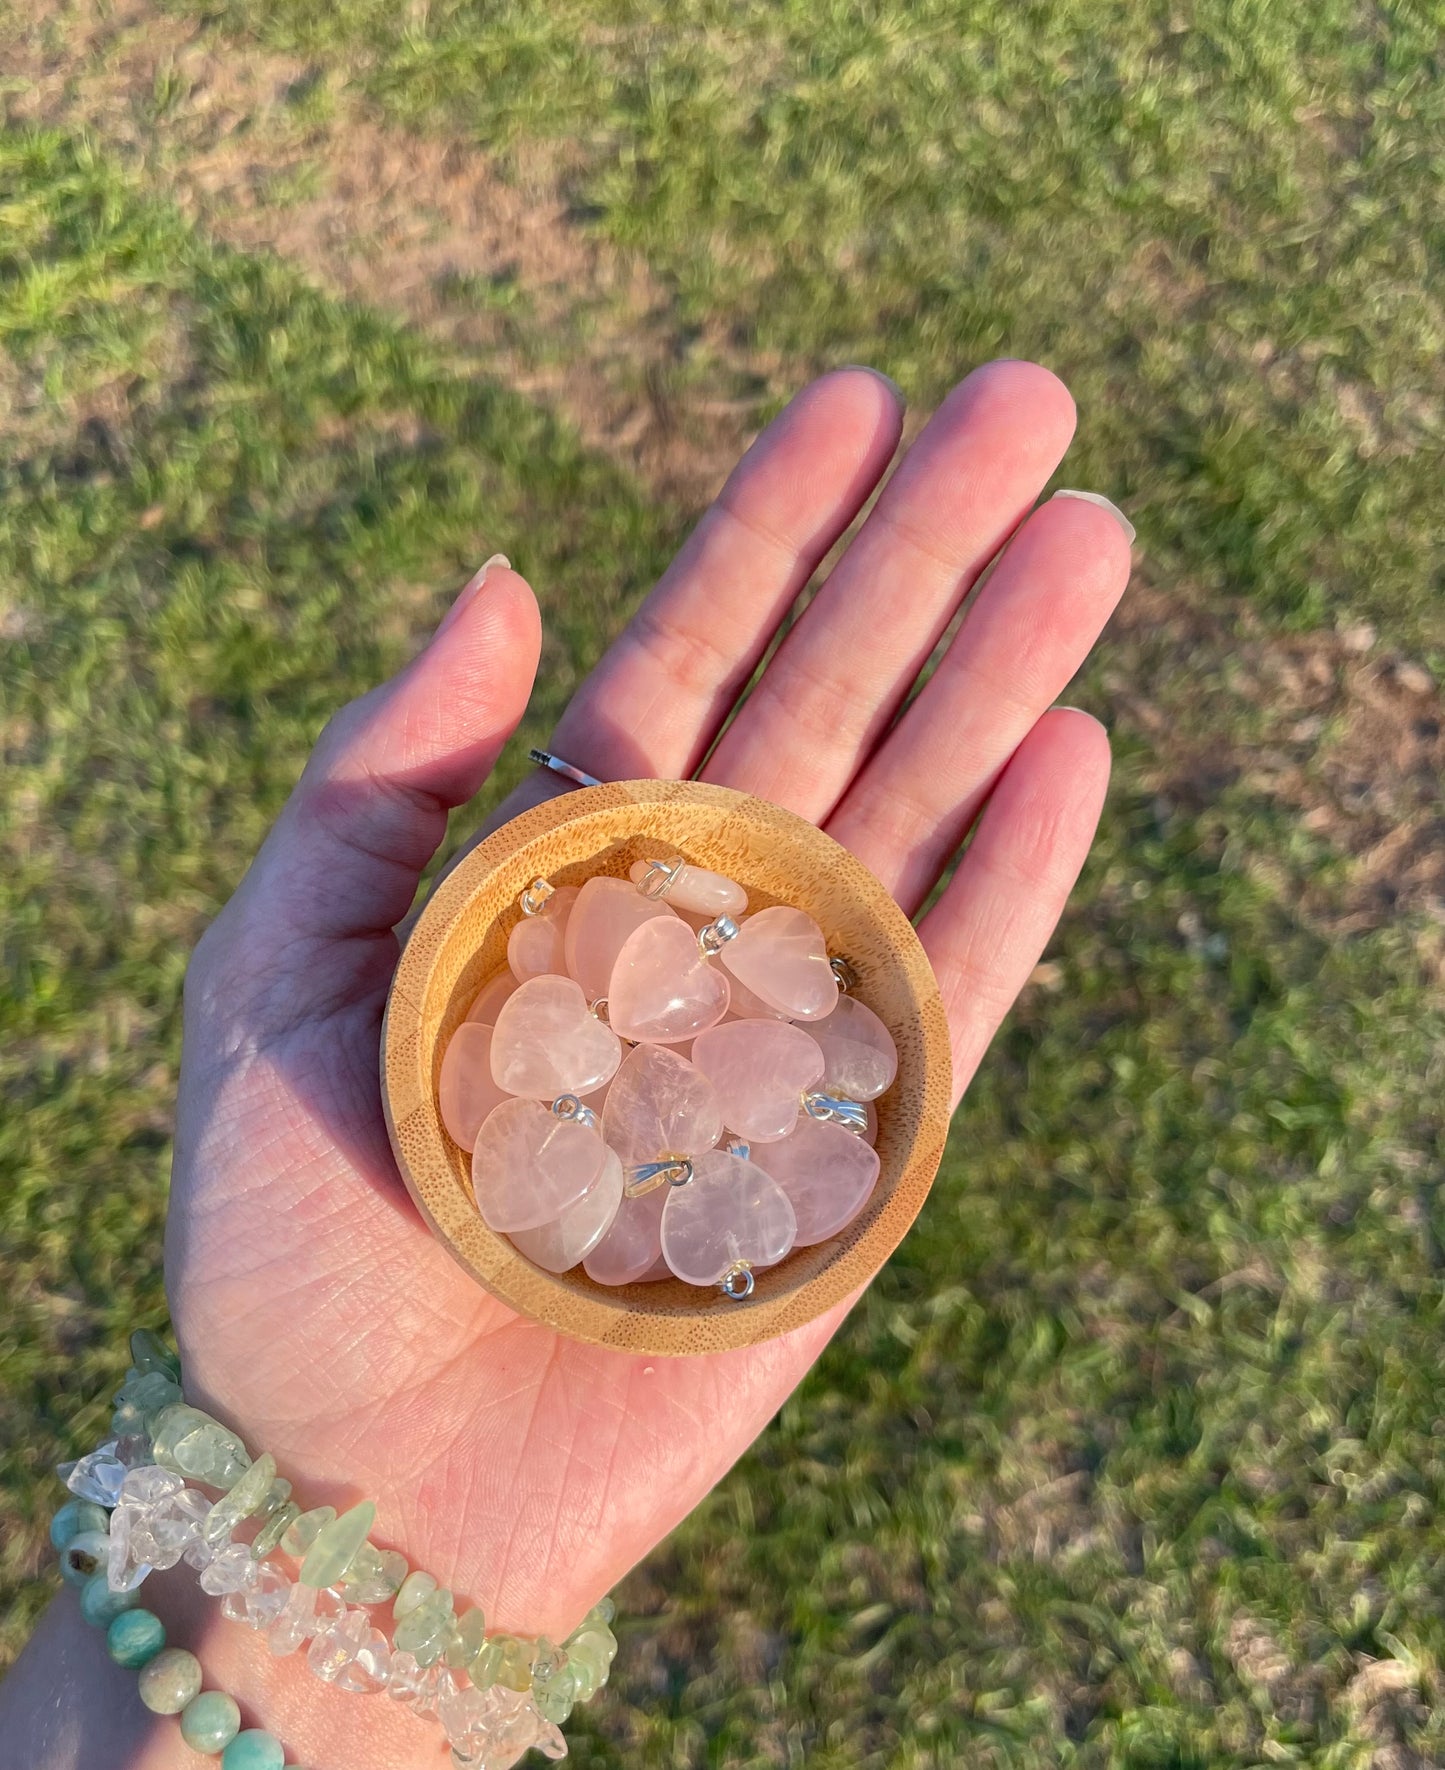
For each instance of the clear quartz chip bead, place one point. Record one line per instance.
(686, 887)
(663, 989)
(466, 1091)
(348, 1650)
(546, 1042)
(559, 1245)
(660, 1105)
(781, 956)
(827, 1172)
(305, 1610)
(606, 912)
(413, 1685)
(231, 1568)
(761, 1070)
(96, 1477)
(259, 1605)
(729, 1213)
(860, 1058)
(126, 1568)
(530, 1165)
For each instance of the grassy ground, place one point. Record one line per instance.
(1133, 1455)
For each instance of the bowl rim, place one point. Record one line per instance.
(666, 1318)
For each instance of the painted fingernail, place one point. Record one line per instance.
(1104, 504)
(470, 591)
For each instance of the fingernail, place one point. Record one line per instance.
(878, 375)
(470, 591)
(1104, 504)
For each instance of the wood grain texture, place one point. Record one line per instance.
(460, 940)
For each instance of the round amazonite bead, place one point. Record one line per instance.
(74, 1517)
(254, 1749)
(210, 1721)
(99, 1605)
(170, 1681)
(134, 1638)
(87, 1551)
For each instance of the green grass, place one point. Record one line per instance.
(1133, 1455)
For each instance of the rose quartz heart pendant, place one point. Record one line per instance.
(828, 1174)
(487, 1004)
(536, 946)
(729, 1213)
(781, 956)
(633, 1245)
(466, 1092)
(546, 1043)
(761, 1070)
(660, 1105)
(558, 1246)
(691, 888)
(529, 1165)
(859, 1056)
(663, 989)
(606, 912)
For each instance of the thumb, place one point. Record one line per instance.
(343, 859)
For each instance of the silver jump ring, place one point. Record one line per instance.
(568, 770)
(737, 1282)
(672, 1170)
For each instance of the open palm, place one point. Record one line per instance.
(314, 1310)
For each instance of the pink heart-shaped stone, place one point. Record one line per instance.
(529, 1165)
(697, 890)
(729, 1211)
(663, 989)
(487, 1004)
(558, 1246)
(860, 1059)
(633, 1245)
(606, 912)
(466, 1093)
(546, 1043)
(536, 946)
(827, 1173)
(659, 1105)
(761, 1069)
(781, 956)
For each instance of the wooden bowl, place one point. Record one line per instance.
(460, 940)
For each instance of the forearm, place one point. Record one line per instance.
(66, 1706)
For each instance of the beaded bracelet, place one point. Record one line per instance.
(496, 1696)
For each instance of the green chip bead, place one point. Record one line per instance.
(254, 1749)
(170, 1681)
(248, 1495)
(303, 1531)
(468, 1640)
(413, 1589)
(210, 1721)
(590, 1661)
(134, 1638)
(72, 1518)
(335, 1546)
(425, 1631)
(87, 1551)
(277, 1526)
(506, 1661)
(554, 1697)
(191, 1443)
(99, 1605)
(148, 1353)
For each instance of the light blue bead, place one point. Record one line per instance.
(134, 1638)
(99, 1605)
(255, 1749)
(210, 1721)
(86, 1551)
(72, 1518)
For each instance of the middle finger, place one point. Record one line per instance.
(844, 670)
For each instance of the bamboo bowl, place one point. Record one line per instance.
(460, 940)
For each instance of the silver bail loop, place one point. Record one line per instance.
(660, 876)
(740, 1147)
(716, 935)
(672, 1170)
(534, 898)
(845, 975)
(832, 1109)
(571, 1110)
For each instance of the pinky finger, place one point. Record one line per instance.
(986, 933)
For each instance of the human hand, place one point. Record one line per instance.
(315, 1313)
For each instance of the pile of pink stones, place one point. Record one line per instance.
(660, 1085)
